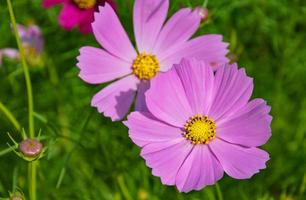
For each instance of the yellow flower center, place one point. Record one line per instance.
(85, 4)
(200, 129)
(145, 66)
(30, 51)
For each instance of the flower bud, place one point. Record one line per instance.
(203, 13)
(30, 148)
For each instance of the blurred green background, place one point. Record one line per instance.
(92, 158)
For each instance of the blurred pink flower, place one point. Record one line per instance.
(9, 53)
(31, 38)
(32, 42)
(200, 125)
(77, 12)
(159, 46)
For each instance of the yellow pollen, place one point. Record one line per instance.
(85, 4)
(145, 66)
(200, 129)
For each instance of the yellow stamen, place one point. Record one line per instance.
(145, 66)
(200, 129)
(85, 4)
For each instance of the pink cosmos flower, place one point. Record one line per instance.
(200, 124)
(159, 46)
(77, 12)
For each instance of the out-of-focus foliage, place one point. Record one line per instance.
(90, 157)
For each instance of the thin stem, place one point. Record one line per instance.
(219, 193)
(25, 70)
(123, 188)
(32, 172)
(188, 3)
(10, 116)
(15, 175)
(32, 165)
(205, 3)
(6, 151)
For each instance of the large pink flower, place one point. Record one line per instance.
(200, 124)
(77, 12)
(159, 47)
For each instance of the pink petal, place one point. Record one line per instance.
(198, 82)
(116, 99)
(144, 129)
(250, 126)
(48, 3)
(233, 89)
(22, 31)
(86, 18)
(237, 161)
(10, 53)
(200, 169)
(85, 28)
(166, 99)
(148, 16)
(140, 100)
(111, 35)
(166, 158)
(34, 30)
(180, 27)
(98, 66)
(208, 48)
(111, 2)
(69, 16)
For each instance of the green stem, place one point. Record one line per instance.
(32, 172)
(25, 70)
(205, 3)
(10, 116)
(6, 151)
(123, 188)
(32, 165)
(219, 193)
(189, 4)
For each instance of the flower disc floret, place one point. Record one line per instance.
(85, 4)
(200, 129)
(145, 66)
